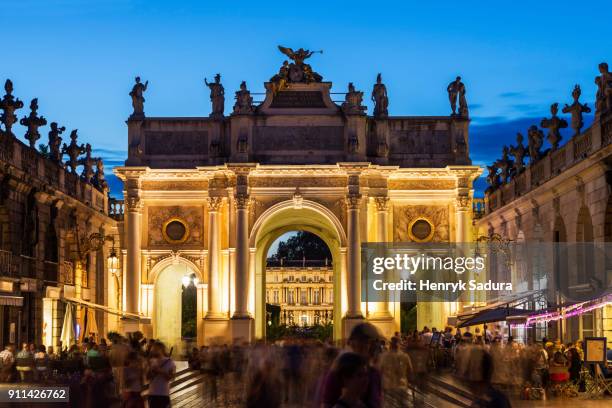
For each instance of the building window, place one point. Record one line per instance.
(276, 297)
(304, 320)
(303, 300)
(290, 300)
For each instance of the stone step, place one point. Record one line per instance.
(450, 391)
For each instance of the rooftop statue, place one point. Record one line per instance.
(518, 152)
(9, 105)
(456, 92)
(138, 99)
(217, 96)
(535, 139)
(73, 150)
(352, 101)
(604, 89)
(554, 124)
(505, 164)
(380, 98)
(244, 100)
(87, 162)
(99, 180)
(33, 122)
(55, 142)
(576, 109)
(493, 176)
(298, 70)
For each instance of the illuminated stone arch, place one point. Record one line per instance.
(292, 215)
(161, 299)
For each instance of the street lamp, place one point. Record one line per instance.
(113, 261)
(189, 280)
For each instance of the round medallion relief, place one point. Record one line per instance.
(175, 231)
(421, 230)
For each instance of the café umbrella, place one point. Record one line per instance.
(89, 325)
(68, 335)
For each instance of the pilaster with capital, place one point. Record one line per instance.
(381, 309)
(463, 218)
(134, 230)
(242, 202)
(353, 202)
(214, 284)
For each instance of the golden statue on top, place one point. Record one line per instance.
(297, 71)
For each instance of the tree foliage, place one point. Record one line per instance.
(302, 245)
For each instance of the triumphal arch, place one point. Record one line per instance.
(207, 196)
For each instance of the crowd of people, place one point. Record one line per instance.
(98, 374)
(366, 371)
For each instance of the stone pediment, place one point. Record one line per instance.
(299, 99)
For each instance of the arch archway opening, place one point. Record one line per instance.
(175, 307)
(299, 287)
(284, 218)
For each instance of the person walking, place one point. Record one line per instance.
(160, 371)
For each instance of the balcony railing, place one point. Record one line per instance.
(9, 264)
(116, 209)
(478, 207)
(299, 263)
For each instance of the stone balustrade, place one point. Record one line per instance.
(116, 209)
(50, 174)
(553, 163)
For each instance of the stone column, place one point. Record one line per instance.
(132, 273)
(354, 258)
(463, 219)
(214, 274)
(382, 206)
(242, 257)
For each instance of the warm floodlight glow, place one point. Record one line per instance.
(113, 262)
(186, 281)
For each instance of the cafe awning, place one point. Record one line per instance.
(500, 310)
(495, 315)
(109, 310)
(6, 300)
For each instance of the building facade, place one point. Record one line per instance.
(49, 210)
(305, 294)
(209, 195)
(563, 195)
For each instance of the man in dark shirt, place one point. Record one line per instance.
(364, 340)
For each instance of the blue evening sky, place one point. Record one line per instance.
(80, 57)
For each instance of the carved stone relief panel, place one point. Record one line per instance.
(158, 217)
(171, 185)
(298, 181)
(412, 184)
(298, 138)
(176, 143)
(405, 216)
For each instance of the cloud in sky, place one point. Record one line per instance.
(511, 94)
